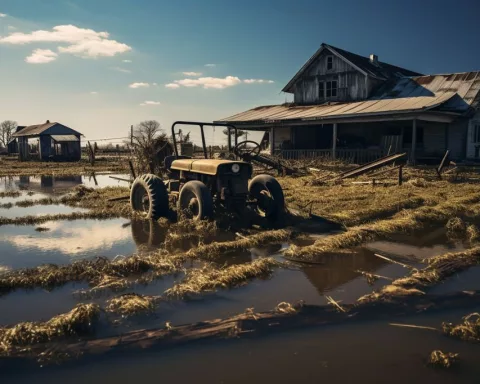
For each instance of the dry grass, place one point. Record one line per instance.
(468, 330)
(456, 228)
(131, 304)
(473, 234)
(79, 321)
(211, 251)
(13, 167)
(101, 272)
(10, 194)
(209, 278)
(406, 221)
(442, 360)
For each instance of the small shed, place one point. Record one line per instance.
(55, 142)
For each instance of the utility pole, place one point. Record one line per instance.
(246, 135)
(131, 136)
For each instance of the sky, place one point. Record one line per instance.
(99, 66)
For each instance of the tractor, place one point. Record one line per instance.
(201, 187)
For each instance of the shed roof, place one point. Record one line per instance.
(39, 129)
(382, 71)
(65, 138)
(450, 93)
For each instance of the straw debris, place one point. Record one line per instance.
(442, 360)
(79, 321)
(209, 278)
(469, 330)
(131, 304)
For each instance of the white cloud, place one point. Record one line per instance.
(154, 84)
(127, 61)
(3, 15)
(145, 103)
(123, 70)
(94, 93)
(259, 81)
(210, 82)
(172, 86)
(210, 65)
(41, 56)
(139, 85)
(11, 28)
(82, 42)
(192, 73)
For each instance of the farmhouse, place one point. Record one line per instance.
(360, 108)
(48, 141)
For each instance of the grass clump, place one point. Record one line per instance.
(210, 251)
(473, 234)
(456, 227)
(406, 221)
(442, 360)
(131, 303)
(80, 320)
(10, 194)
(209, 278)
(42, 229)
(468, 330)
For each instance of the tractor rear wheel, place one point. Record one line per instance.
(149, 196)
(195, 201)
(268, 194)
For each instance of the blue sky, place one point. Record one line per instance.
(79, 75)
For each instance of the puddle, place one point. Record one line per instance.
(56, 185)
(38, 210)
(422, 246)
(468, 280)
(350, 353)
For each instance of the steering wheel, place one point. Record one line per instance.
(243, 150)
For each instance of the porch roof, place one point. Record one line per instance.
(443, 94)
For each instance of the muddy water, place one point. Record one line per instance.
(36, 186)
(373, 352)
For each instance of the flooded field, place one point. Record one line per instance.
(140, 274)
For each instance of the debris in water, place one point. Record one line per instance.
(442, 360)
(42, 229)
(469, 330)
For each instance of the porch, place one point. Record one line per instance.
(363, 142)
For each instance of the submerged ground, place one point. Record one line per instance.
(75, 265)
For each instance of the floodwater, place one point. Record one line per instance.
(372, 352)
(307, 356)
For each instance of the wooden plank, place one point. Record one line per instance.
(132, 170)
(442, 164)
(370, 166)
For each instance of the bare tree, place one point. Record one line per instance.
(7, 129)
(150, 145)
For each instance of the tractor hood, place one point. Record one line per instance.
(207, 166)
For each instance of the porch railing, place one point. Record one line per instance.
(356, 156)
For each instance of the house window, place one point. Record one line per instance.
(476, 133)
(329, 63)
(332, 87)
(321, 89)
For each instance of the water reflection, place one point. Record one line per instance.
(57, 185)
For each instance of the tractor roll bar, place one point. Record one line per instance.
(201, 125)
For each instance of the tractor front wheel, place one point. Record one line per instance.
(149, 196)
(268, 193)
(195, 201)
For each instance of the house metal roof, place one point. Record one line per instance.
(382, 71)
(38, 129)
(65, 138)
(453, 93)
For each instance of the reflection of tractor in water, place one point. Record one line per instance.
(202, 186)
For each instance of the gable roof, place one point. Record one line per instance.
(38, 129)
(363, 64)
(455, 93)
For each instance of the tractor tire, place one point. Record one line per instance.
(195, 201)
(268, 193)
(149, 195)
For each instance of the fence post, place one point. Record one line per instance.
(334, 143)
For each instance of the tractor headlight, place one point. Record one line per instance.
(235, 168)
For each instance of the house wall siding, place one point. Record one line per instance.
(470, 147)
(352, 84)
(457, 138)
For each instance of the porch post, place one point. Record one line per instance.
(272, 141)
(414, 141)
(334, 142)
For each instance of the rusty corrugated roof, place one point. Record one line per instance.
(448, 93)
(38, 129)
